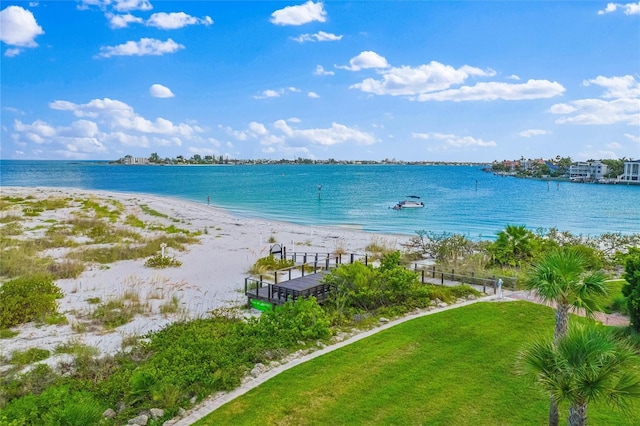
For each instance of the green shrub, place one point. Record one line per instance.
(269, 263)
(58, 405)
(115, 313)
(160, 261)
(29, 356)
(27, 299)
(292, 322)
(22, 261)
(5, 333)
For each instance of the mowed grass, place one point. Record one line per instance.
(454, 367)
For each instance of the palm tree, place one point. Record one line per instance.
(514, 244)
(589, 364)
(560, 278)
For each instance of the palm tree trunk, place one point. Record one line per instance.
(562, 322)
(562, 325)
(578, 415)
(554, 417)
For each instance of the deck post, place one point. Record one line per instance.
(340, 258)
(351, 258)
(315, 266)
(442, 278)
(415, 266)
(484, 286)
(284, 253)
(289, 274)
(433, 271)
(422, 279)
(302, 268)
(246, 286)
(275, 279)
(327, 267)
(304, 258)
(366, 260)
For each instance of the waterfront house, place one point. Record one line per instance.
(631, 172)
(587, 171)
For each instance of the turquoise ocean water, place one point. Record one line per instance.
(460, 199)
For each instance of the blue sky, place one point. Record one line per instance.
(416, 80)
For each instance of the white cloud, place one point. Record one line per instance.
(122, 21)
(514, 77)
(620, 104)
(86, 4)
(319, 36)
(619, 87)
(10, 53)
(38, 127)
(365, 60)
(257, 129)
(632, 138)
(614, 145)
(600, 154)
(284, 137)
(127, 5)
(172, 21)
(144, 47)
(598, 111)
(629, 8)
(271, 93)
(160, 91)
(446, 141)
(431, 77)
(119, 116)
(313, 95)
(321, 71)
(532, 132)
(299, 15)
(336, 134)
(19, 27)
(532, 89)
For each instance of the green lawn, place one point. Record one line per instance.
(454, 367)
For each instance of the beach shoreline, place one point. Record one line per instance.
(211, 276)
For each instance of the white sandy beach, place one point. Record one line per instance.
(211, 276)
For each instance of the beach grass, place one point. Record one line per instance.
(455, 367)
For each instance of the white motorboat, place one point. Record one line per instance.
(413, 203)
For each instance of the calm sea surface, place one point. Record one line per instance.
(459, 199)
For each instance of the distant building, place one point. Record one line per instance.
(587, 171)
(631, 172)
(134, 160)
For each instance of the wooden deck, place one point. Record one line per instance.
(291, 290)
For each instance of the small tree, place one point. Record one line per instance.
(631, 290)
(587, 365)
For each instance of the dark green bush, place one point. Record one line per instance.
(292, 322)
(57, 406)
(27, 299)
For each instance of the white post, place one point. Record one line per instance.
(162, 247)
